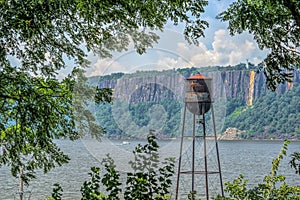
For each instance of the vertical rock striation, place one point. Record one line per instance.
(243, 84)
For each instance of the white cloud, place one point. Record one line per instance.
(173, 52)
(61, 75)
(103, 67)
(170, 63)
(225, 50)
(256, 61)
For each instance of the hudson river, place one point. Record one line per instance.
(250, 158)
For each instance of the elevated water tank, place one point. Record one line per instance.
(198, 94)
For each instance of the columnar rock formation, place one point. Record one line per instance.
(243, 84)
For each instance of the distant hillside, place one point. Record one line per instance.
(272, 116)
(249, 105)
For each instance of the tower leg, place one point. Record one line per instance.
(205, 158)
(180, 154)
(193, 158)
(217, 149)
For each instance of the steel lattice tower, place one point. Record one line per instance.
(198, 101)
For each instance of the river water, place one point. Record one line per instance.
(250, 158)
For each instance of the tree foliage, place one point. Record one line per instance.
(57, 192)
(151, 178)
(83, 99)
(275, 26)
(272, 187)
(295, 162)
(40, 34)
(38, 38)
(34, 111)
(37, 110)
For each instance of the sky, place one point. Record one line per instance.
(218, 48)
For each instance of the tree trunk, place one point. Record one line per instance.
(21, 185)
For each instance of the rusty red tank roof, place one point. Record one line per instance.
(197, 77)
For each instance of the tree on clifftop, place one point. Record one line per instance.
(276, 27)
(37, 37)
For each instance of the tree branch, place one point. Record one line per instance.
(293, 8)
(3, 96)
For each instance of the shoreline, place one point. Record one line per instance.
(219, 139)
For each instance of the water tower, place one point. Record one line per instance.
(198, 101)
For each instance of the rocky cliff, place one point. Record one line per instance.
(155, 86)
(154, 100)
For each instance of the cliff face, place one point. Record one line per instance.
(145, 87)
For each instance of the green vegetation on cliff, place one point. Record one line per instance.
(273, 115)
(139, 114)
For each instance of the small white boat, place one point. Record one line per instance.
(125, 142)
